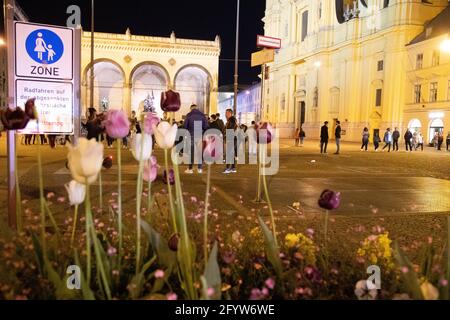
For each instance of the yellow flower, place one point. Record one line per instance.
(291, 240)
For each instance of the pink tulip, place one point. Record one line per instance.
(151, 170)
(117, 124)
(150, 121)
(265, 133)
(212, 149)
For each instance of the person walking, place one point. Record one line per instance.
(252, 140)
(297, 137)
(231, 146)
(365, 140)
(338, 135)
(196, 120)
(448, 141)
(376, 142)
(388, 139)
(395, 139)
(420, 141)
(408, 138)
(436, 141)
(324, 137)
(440, 141)
(302, 136)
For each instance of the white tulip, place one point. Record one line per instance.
(145, 142)
(85, 160)
(76, 192)
(165, 135)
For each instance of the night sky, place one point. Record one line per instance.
(196, 19)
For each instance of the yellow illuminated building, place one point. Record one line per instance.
(131, 70)
(359, 62)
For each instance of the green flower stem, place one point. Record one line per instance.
(18, 195)
(185, 253)
(42, 202)
(169, 187)
(205, 226)
(100, 190)
(149, 200)
(138, 213)
(74, 228)
(93, 235)
(448, 256)
(87, 205)
(119, 199)
(263, 151)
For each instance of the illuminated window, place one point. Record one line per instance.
(433, 91)
(379, 97)
(304, 25)
(380, 65)
(436, 58)
(419, 61)
(417, 93)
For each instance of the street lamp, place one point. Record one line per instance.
(2, 42)
(445, 46)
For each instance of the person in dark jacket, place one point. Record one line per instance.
(302, 136)
(324, 138)
(196, 120)
(231, 146)
(338, 135)
(408, 138)
(395, 139)
(220, 123)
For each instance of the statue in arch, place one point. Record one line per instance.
(105, 104)
(149, 103)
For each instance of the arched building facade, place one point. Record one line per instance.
(129, 70)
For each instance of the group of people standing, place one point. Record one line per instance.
(413, 141)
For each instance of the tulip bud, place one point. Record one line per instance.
(173, 242)
(171, 177)
(108, 162)
(330, 200)
(165, 135)
(76, 192)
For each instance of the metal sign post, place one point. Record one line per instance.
(9, 8)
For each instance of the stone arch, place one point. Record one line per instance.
(148, 80)
(194, 83)
(109, 82)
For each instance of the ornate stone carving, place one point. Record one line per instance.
(127, 59)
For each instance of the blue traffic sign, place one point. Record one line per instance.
(44, 46)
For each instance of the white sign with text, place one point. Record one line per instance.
(54, 101)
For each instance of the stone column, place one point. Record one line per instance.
(127, 87)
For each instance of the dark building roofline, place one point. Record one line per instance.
(438, 26)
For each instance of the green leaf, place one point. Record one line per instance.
(85, 290)
(166, 257)
(137, 282)
(212, 274)
(411, 278)
(5, 230)
(38, 253)
(273, 253)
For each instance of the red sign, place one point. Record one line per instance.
(268, 42)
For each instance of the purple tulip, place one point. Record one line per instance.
(265, 133)
(15, 119)
(151, 170)
(170, 101)
(330, 200)
(151, 120)
(117, 124)
(171, 177)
